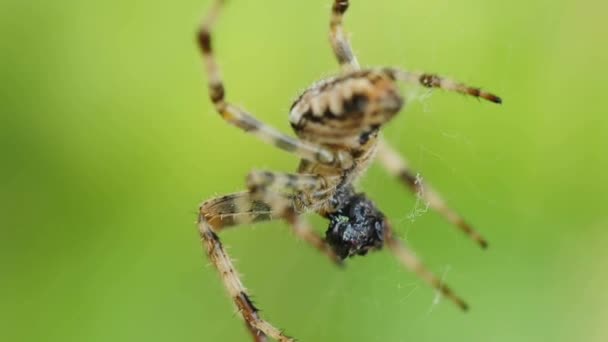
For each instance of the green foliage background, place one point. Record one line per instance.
(108, 143)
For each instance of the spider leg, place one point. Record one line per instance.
(257, 204)
(265, 184)
(399, 167)
(222, 212)
(256, 334)
(339, 41)
(304, 231)
(267, 180)
(436, 81)
(218, 256)
(241, 208)
(412, 263)
(240, 118)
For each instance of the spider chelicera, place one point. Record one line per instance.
(337, 121)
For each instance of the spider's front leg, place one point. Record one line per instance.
(223, 212)
(339, 42)
(399, 167)
(411, 262)
(241, 118)
(262, 202)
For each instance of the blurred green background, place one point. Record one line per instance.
(109, 142)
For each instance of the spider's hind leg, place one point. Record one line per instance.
(435, 81)
(398, 167)
(357, 226)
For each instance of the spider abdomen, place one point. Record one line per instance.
(344, 107)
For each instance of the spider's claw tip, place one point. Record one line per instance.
(461, 304)
(483, 244)
(494, 98)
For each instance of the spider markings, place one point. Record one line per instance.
(339, 110)
(434, 81)
(337, 121)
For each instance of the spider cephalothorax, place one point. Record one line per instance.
(356, 226)
(338, 122)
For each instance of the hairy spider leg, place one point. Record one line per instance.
(237, 209)
(399, 167)
(413, 263)
(257, 204)
(337, 37)
(215, 215)
(241, 118)
(435, 81)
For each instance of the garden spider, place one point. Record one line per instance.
(337, 121)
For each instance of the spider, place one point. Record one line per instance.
(337, 121)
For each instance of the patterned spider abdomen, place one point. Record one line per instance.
(356, 226)
(342, 108)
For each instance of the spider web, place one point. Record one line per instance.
(419, 104)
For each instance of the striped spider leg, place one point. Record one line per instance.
(339, 42)
(262, 202)
(399, 167)
(239, 117)
(388, 157)
(220, 213)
